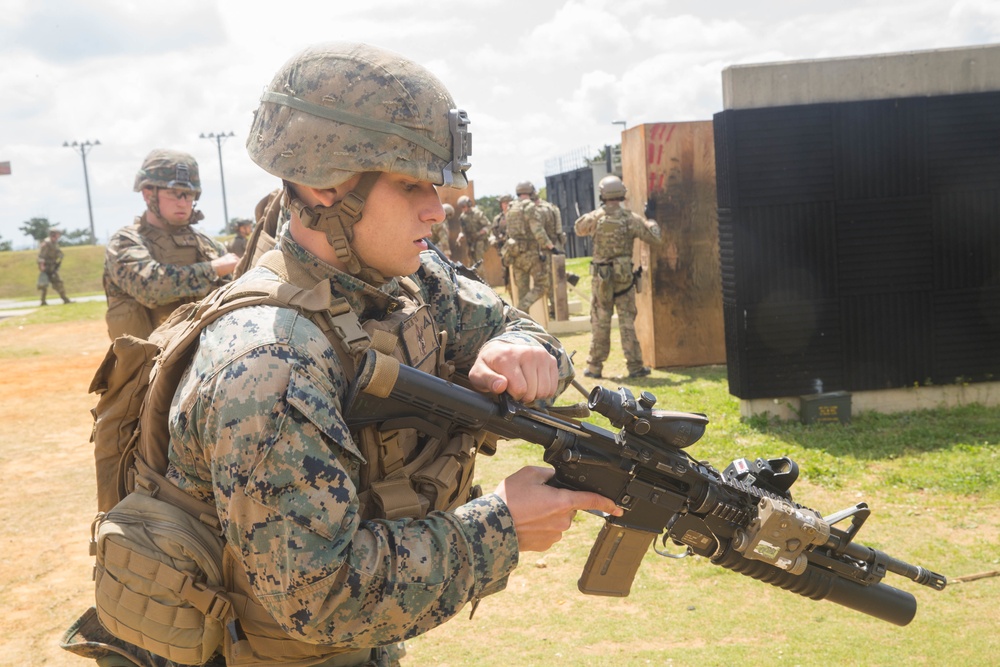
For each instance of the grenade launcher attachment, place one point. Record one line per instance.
(743, 518)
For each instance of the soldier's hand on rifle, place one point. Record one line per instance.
(542, 513)
(526, 372)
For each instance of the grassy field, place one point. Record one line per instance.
(931, 477)
(81, 272)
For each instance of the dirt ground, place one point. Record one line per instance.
(48, 496)
(44, 452)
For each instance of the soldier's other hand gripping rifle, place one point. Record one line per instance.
(742, 518)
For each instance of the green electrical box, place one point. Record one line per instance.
(829, 408)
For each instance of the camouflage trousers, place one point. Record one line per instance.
(531, 279)
(601, 311)
(477, 249)
(56, 283)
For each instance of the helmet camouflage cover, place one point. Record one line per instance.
(525, 188)
(164, 168)
(338, 109)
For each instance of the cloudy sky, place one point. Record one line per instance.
(539, 79)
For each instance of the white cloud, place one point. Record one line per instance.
(539, 79)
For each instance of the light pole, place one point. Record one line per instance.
(84, 147)
(219, 137)
(619, 122)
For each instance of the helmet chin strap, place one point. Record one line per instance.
(338, 221)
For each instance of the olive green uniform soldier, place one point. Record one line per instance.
(475, 227)
(341, 542)
(440, 231)
(553, 228)
(614, 227)
(50, 257)
(498, 231)
(526, 246)
(238, 246)
(161, 261)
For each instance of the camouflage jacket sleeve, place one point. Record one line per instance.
(131, 267)
(586, 224)
(537, 226)
(645, 230)
(473, 314)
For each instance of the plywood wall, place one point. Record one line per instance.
(680, 320)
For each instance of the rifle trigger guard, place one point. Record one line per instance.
(666, 554)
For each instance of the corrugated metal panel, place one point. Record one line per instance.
(783, 155)
(792, 348)
(887, 338)
(573, 193)
(966, 239)
(885, 245)
(786, 253)
(861, 246)
(963, 141)
(725, 185)
(967, 335)
(727, 255)
(880, 149)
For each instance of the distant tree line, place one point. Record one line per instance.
(38, 229)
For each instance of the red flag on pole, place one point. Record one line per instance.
(4, 168)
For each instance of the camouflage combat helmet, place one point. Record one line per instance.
(339, 109)
(611, 188)
(525, 188)
(505, 198)
(464, 201)
(172, 170)
(164, 168)
(449, 210)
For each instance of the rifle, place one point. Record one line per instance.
(743, 518)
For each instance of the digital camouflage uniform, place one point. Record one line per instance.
(614, 227)
(149, 271)
(476, 228)
(523, 252)
(50, 257)
(256, 425)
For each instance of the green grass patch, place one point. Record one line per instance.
(81, 272)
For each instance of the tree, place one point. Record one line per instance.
(38, 229)
(77, 237)
(6, 246)
(489, 205)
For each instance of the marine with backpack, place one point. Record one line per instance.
(242, 523)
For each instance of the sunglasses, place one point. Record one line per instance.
(178, 195)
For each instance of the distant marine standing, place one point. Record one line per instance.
(440, 232)
(475, 226)
(161, 261)
(238, 246)
(552, 219)
(614, 228)
(50, 257)
(526, 244)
